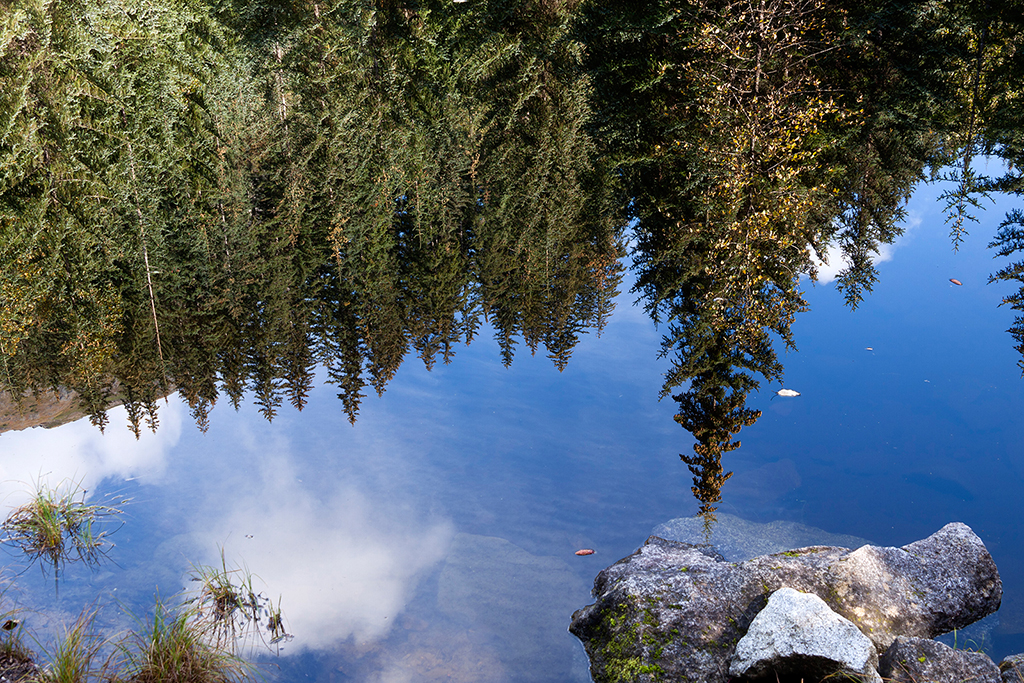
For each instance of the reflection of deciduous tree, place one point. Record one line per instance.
(732, 180)
(750, 135)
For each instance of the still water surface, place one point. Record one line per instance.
(434, 540)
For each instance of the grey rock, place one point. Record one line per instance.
(738, 539)
(677, 610)
(797, 636)
(1011, 669)
(919, 660)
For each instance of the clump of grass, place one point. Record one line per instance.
(176, 647)
(71, 659)
(58, 526)
(226, 602)
(275, 623)
(230, 609)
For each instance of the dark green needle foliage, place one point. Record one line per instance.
(217, 198)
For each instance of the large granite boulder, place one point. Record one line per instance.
(797, 636)
(675, 611)
(917, 660)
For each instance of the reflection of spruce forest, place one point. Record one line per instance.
(220, 196)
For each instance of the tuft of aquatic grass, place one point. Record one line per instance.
(175, 647)
(229, 607)
(57, 526)
(275, 623)
(70, 660)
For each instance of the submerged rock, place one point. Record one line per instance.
(676, 611)
(481, 588)
(738, 539)
(797, 635)
(917, 660)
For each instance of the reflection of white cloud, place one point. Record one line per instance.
(80, 452)
(827, 272)
(344, 564)
(837, 262)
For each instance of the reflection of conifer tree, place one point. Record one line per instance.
(190, 348)
(354, 122)
(713, 410)
(265, 380)
(709, 519)
(545, 216)
(892, 54)
(135, 411)
(297, 354)
(1009, 240)
(339, 346)
(436, 278)
(232, 369)
(295, 185)
(996, 120)
(269, 318)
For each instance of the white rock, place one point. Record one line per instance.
(797, 632)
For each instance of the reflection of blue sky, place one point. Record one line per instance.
(892, 443)
(356, 527)
(387, 539)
